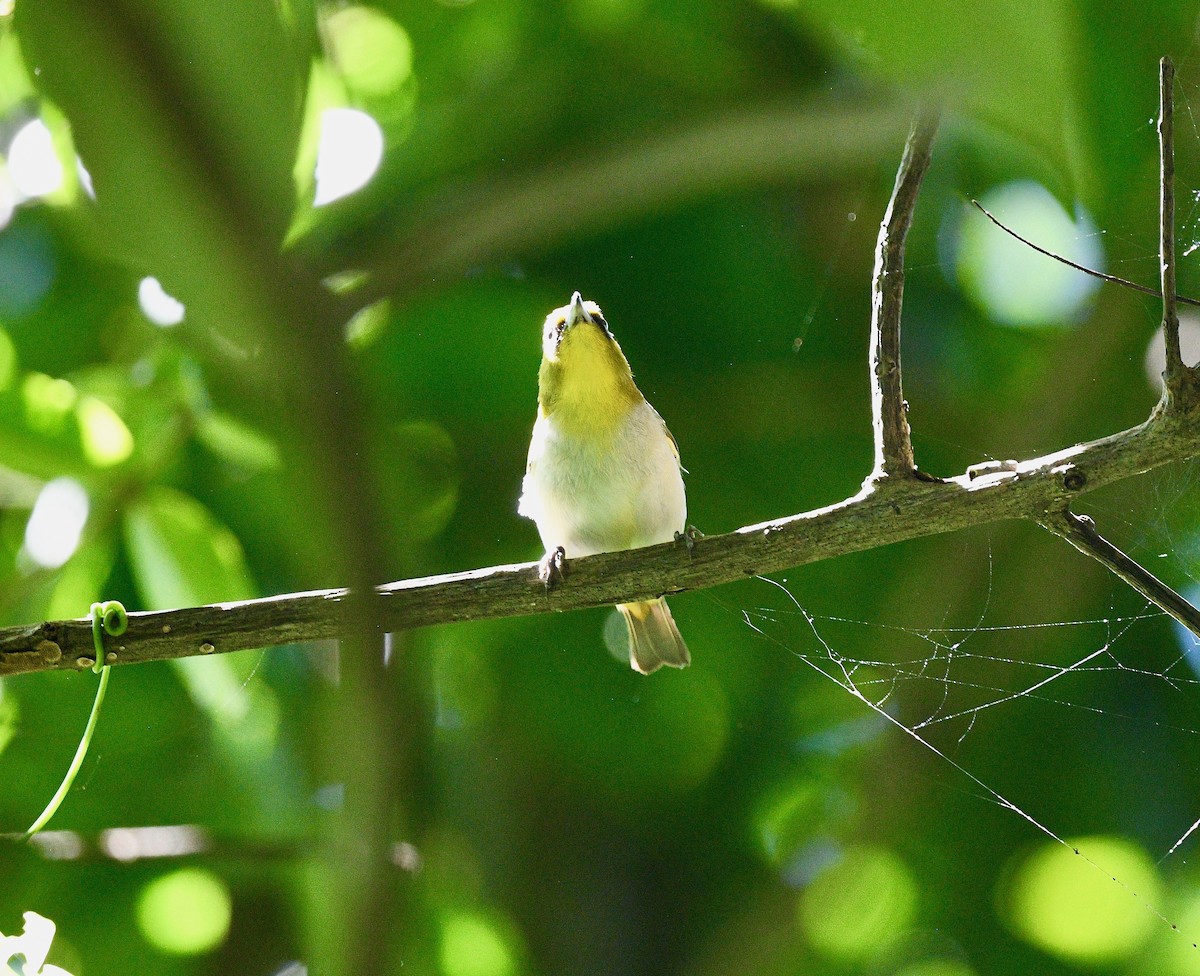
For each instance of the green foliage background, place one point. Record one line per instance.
(567, 815)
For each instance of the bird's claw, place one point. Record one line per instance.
(688, 537)
(553, 567)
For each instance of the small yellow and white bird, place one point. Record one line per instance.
(603, 470)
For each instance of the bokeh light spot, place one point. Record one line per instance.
(1009, 280)
(186, 912)
(860, 906)
(1189, 348)
(785, 819)
(159, 307)
(48, 401)
(33, 165)
(54, 528)
(471, 946)
(372, 52)
(349, 152)
(105, 438)
(1072, 909)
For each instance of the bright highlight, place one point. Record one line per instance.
(472, 947)
(186, 912)
(1009, 280)
(159, 307)
(349, 152)
(860, 906)
(105, 438)
(54, 528)
(33, 164)
(1073, 909)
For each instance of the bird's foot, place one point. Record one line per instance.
(688, 537)
(553, 567)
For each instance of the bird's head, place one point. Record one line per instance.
(575, 332)
(584, 373)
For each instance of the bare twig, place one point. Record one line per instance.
(1173, 374)
(893, 442)
(1113, 279)
(916, 508)
(1080, 531)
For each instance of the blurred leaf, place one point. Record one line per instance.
(14, 82)
(983, 58)
(8, 361)
(10, 716)
(181, 555)
(420, 470)
(39, 429)
(186, 116)
(1117, 64)
(236, 442)
(80, 582)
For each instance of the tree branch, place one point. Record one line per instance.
(1080, 531)
(1173, 376)
(893, 441)
(915, 508)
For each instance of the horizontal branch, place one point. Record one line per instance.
(868, 520)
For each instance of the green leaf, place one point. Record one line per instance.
(238, 443)
(181, 555)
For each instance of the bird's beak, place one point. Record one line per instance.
(575, 312)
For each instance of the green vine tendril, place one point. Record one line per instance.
(107, 618)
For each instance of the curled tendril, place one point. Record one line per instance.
(107, 618)
(114, 617)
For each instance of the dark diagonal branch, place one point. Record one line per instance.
(1173, 375)
(1080, 531)
(893, 442)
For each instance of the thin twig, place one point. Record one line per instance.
(1173, 374)
(1080, 531)
(893, 441)
(1113, 279)
(868, 520)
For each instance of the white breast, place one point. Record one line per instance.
(591, 498)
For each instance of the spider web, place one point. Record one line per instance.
(941, 685)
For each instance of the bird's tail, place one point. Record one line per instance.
(653, 637)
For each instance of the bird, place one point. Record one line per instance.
(603, 472)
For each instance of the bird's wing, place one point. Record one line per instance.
(670, 436)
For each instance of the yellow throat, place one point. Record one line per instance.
(585, 383)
